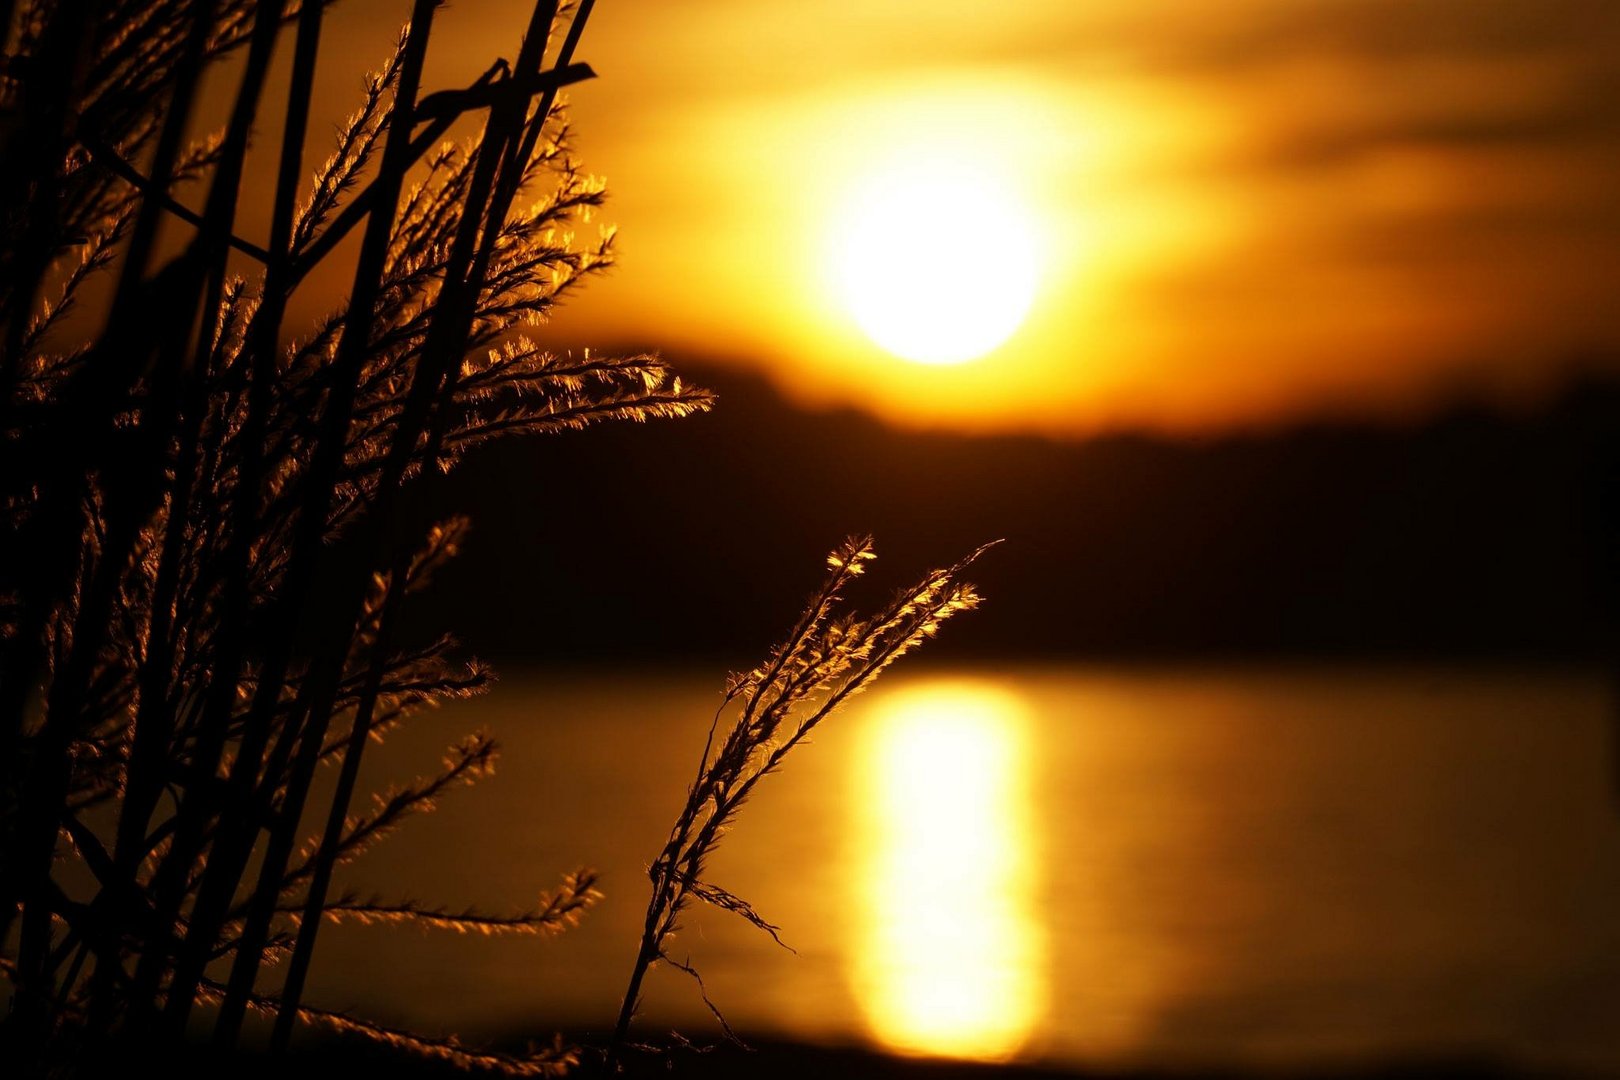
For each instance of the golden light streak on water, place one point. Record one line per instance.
(949, 958)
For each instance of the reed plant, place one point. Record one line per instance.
(830, 655)
(208, 549)
(182, 486)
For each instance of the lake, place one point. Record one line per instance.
(1123, 867)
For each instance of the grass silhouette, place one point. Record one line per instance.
(207, 550)
(829, 656)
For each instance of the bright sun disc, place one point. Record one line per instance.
(937, 263)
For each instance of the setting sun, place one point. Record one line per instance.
(936, 261)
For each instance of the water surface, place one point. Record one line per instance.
(1126, 867)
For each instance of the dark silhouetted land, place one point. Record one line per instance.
(1476, 536)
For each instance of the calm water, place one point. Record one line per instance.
(1122, 867)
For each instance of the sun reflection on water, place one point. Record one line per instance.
(949, 958)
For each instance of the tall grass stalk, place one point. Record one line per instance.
(830, 655)
(184, 644)
(207, 548)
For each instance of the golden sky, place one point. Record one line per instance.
(1246, 211)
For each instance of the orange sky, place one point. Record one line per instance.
(1248, 211)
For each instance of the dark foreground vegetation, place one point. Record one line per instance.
(176, 476)
(213, 535)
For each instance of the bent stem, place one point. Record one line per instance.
(829, 656)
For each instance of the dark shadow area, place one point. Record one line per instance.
(341, 1059)
(1477, 536)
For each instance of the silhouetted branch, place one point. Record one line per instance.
(108, 158)
(827, 657)
(176, 484)
(556, 912)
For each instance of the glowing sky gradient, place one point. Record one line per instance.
(1254, 211)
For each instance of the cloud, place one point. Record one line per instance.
(1386, 31)
(1325, 193)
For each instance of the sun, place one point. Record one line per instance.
(936, 261)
